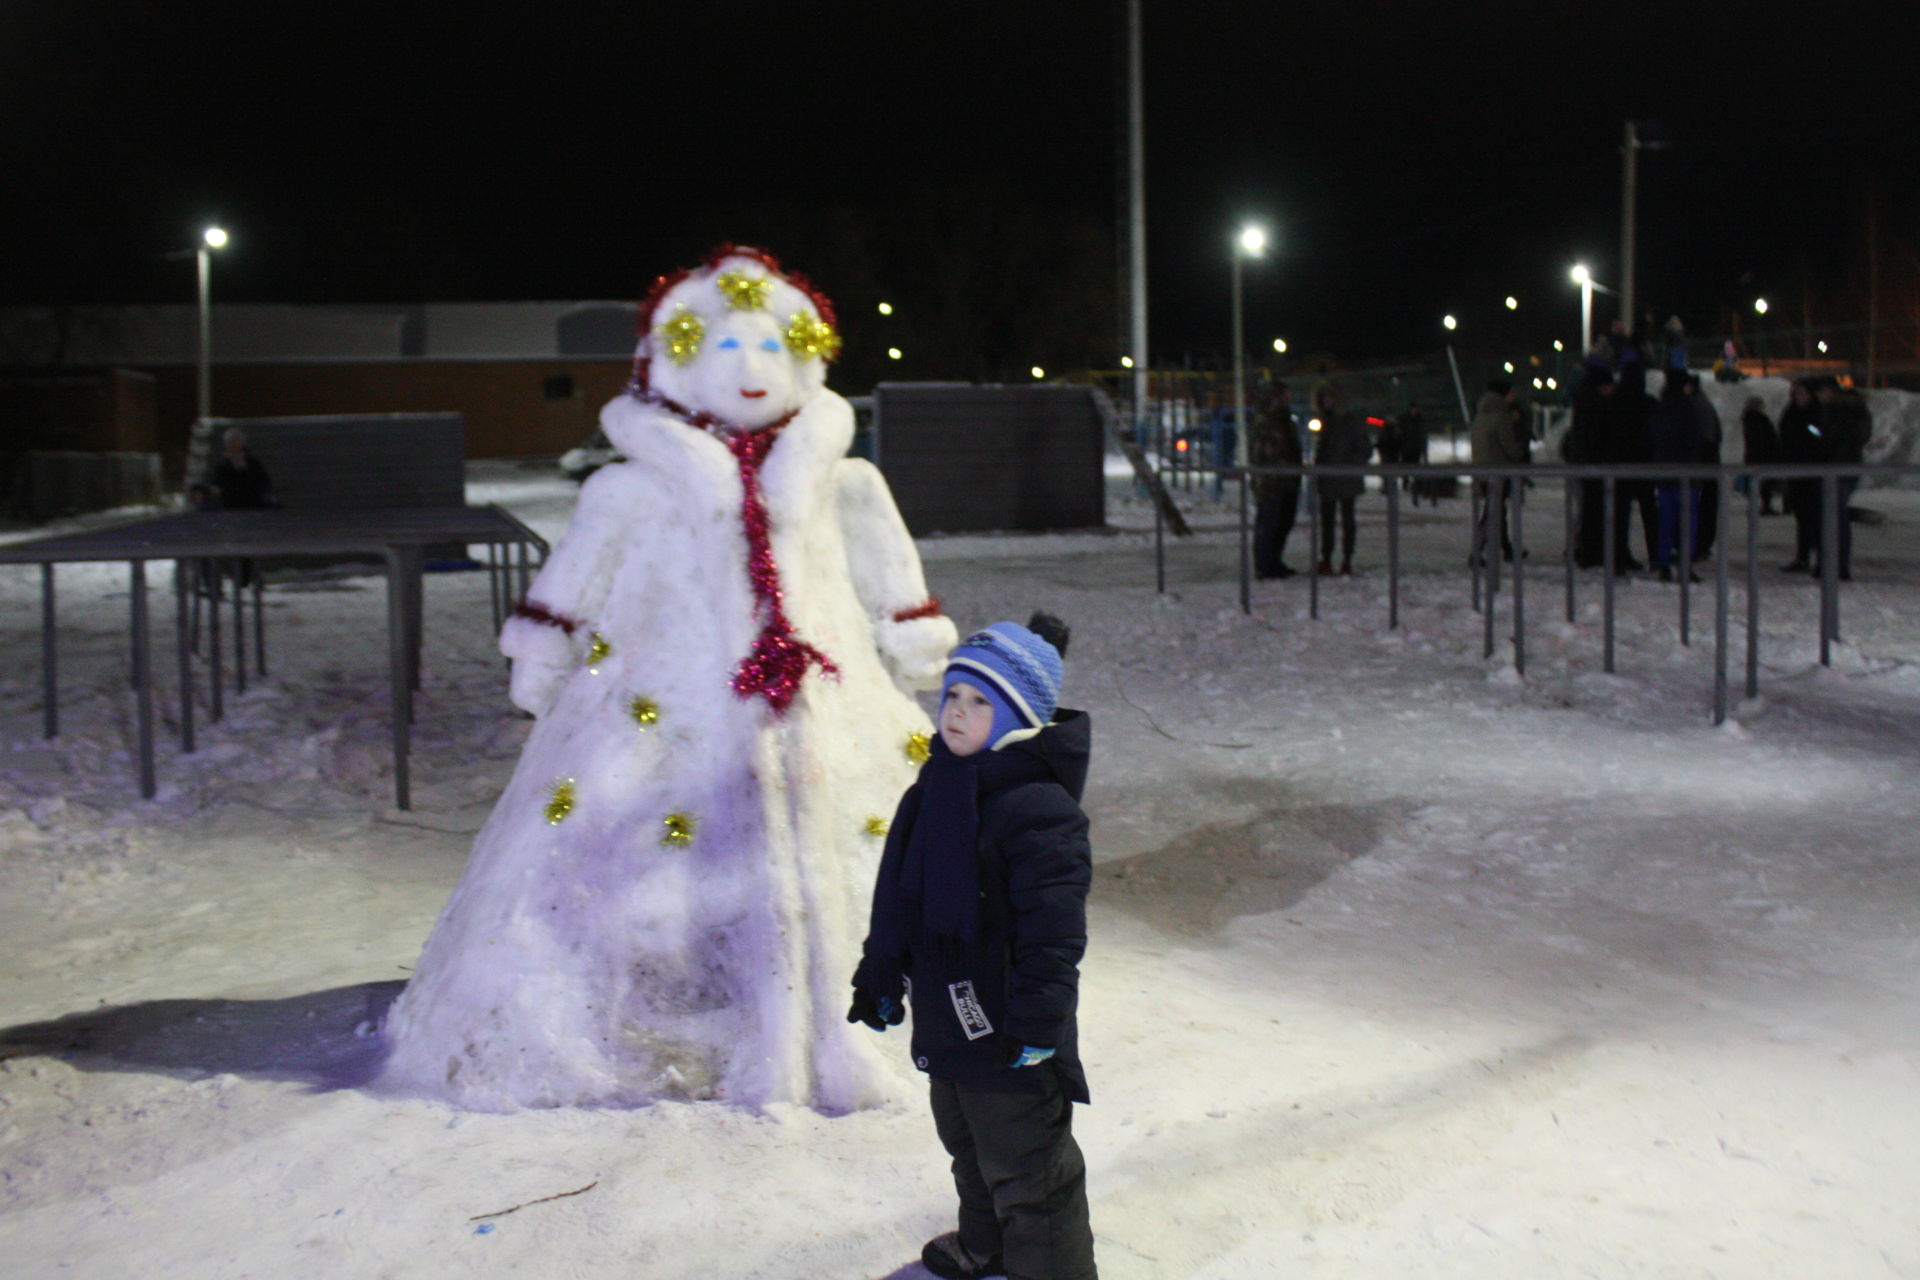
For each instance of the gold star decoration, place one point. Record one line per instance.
(877, 825)
(742, 291)
(919, 747)
(809, 336)
(644, 710)
(680, 828)
(560, 801)
(598, 647)
(682, 335)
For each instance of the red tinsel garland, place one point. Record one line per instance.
(534, 611)
(779, 660)
(930, 609)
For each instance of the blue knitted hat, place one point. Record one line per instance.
(1017, 671)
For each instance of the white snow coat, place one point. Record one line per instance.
(588, 959)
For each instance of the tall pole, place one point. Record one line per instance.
(1628, 188)
(1137, 212)
(1586, 316)
(206, 332)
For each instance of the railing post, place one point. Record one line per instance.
(1830, 517)
(1686, 560)
(1393, 553)
(1246, 561)
(1829, 569)
(1568, 487)
(1606, 588)
(1725, 498)
(1753, 586)
(1519, 577)
(1313, 565)
(1159, 531)
(1490, 553)
(49, 656)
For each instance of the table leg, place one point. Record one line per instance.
(215, 706)
(239, 627)
(182, 628)
(398, 682)
(49, 655)
(143, 677)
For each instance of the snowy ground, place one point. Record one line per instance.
(1402, 965)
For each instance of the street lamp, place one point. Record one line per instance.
(1280, 346)
(1250, 243)
(1760, 306)
(1584, 278)
(210, 239)
(1513, 303)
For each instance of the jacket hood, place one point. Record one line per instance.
(1065, 747)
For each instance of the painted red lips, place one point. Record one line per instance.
(753, 395)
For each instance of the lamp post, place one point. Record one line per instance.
(1584, 278)
(1250, 243)
(210, 239)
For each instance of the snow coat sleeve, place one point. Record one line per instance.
(888, 580)
(549, 634)
(1049, 868)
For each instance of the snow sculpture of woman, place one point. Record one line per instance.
(669, 896)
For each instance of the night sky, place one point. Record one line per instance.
(1409, 159)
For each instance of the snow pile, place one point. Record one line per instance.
(1401, 964)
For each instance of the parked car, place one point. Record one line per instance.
(587, 457)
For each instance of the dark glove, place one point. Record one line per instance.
(878, 1012)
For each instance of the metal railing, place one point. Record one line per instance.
(1485, 556)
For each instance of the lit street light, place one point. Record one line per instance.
(210, 239)
(1450, 323)
(1280, 345)
(893, 353)
(1037, 372)
(1584, 278)
(1250, 243)
(886, 308)
(1513, 303)
(1760, 306)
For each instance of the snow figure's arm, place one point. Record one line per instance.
(548, 634)
(912, 635)
(1049, 870)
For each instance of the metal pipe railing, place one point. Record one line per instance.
(1500, 490)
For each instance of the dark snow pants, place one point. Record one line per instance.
(1022, 1183)
(1273, 520)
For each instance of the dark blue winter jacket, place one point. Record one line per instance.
(1018, 983)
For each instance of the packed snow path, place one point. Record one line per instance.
(1400, 965)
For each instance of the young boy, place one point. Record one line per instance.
(979, 916)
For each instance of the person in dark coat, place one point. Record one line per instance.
(1342, 441)
(1273, 440)
(1413, 446)
(1632, 416)
(239, 477)
(1587, 444)
(1673, 435)
(1802, 443)
(1763, 448)
(1849, 425)
(1495, 441)
(979, 920)
(1706, 492)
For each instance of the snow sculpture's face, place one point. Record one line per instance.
(738, 343)
(744, 373)
(966, 719)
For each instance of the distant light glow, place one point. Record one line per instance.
(216, 237)
(1038, 372)
(1553, 384)
(1760, 305)
(1179, 446)
(1508, 366)
(886, 308)
(1450, 323)
(1513, 303)
(1559, 345)
(1313, 424)
(1580, 274)
(1823, 348)
(893, 353)
(1280, 345)
(1253, 240)
(1538, 385)
(1126, 362)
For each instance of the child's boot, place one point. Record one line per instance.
(946, 1257)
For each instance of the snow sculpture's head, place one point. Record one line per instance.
(735, 341)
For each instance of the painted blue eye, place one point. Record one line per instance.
(769, 344)
(729, 344)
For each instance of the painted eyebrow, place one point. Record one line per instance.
(770, 344)
(729, 343)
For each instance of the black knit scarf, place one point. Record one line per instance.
(932, 876)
